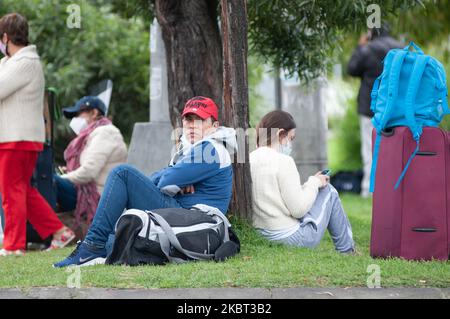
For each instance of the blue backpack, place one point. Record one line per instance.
(411, 91)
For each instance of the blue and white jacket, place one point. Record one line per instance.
(206, 165)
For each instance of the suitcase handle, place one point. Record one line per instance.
(422, 153)
(424, 230)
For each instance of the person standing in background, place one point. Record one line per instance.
(367, 63)
(22, 134)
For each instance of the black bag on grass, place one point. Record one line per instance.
(172, 235)
(347, 181)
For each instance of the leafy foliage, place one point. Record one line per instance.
(344, 147)
(298, 36)
(426, 24)
(257, 104)
(106, 46)
(130, 9)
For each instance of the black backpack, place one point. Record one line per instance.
(347, 181)
(172, 235)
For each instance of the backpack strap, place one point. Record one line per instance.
(411, 93)
(226, 223)
(373, 171)
(213, 211)
(169, 237)
(415, 46)
(443, 101)
(394, 77)
(374, 93)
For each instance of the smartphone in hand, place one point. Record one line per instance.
(326, 172)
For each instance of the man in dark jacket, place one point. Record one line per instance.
(367, 63)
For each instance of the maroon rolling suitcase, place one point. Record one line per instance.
(412, 222)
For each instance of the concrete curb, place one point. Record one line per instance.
(227, 293)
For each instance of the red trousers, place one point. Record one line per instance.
(21, 201)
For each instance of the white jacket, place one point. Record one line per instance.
(22, 97)
(104, 150)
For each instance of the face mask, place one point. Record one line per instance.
(3, 48)
(77, 124)
(286, 148)
(184, 141)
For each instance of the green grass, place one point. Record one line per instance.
(260, 264)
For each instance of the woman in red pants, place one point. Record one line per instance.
(22, 134)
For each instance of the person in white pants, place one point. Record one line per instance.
(366, 63)
(365, 130)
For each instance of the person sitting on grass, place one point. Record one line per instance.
(284, 210)
(200, 173)
(97, 149)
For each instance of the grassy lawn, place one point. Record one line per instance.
(260, 264)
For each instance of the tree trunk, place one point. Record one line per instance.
(235, 98)
(193, 49)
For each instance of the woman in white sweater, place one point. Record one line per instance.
(283, 209)
(98, 148)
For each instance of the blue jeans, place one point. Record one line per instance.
(125, 188)
(326, 213)
(66, 193)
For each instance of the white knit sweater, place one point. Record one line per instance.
(104, 150)
(279, 199)
(22, 97)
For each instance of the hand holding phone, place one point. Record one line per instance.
(326, 172)
(324, 177)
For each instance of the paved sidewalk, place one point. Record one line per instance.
(227, 293)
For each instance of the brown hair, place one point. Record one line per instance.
(16, 27)
(270, 124)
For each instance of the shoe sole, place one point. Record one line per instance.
(93, 262)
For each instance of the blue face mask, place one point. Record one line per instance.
(286, 148)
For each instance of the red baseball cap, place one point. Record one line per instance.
(202, 106)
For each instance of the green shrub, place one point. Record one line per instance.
(106, 46)
(345, 143)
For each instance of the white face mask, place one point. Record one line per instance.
(77, 124)
(286, 148)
